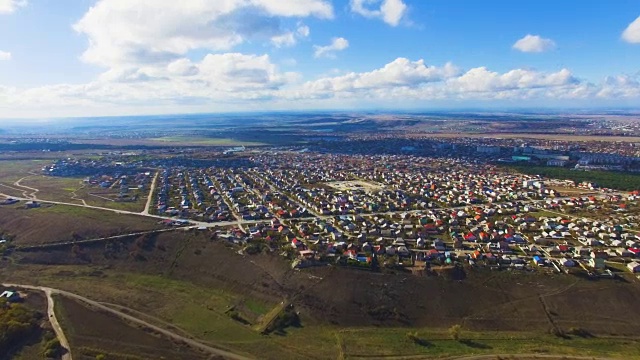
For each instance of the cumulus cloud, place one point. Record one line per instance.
(632, 33)
(480, 79)
(337, 44)
(398, 73)
(5, 55)
(235, 81)
(534, 44)
(389, 11)
(123, 32)
(290, 38)
(407, 80)
(9, 6)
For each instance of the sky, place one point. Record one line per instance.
(132, 57)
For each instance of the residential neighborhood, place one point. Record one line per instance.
(390, 211)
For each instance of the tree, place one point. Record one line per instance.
(455, 331)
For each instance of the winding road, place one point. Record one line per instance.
(124, 316)
(56, 325)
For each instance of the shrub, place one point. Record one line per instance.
(455, 332)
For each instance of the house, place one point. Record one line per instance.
(32, 204)
(597, 259)
(10, 296)
(538, 260)
(634, 266)
(567, 262)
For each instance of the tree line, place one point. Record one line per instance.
(607, 179)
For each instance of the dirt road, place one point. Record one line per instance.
(150, 197)
(24, 193)
(56, 326)
(193, 343)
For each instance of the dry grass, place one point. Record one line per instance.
(55, 223)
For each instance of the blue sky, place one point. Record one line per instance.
(117, 57)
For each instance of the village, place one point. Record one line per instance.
(395, 212)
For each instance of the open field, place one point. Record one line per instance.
(73, 190)
(92, 332)
(355, 185)
(190, 281)
(317, 339)
(565, 137)
(54, 223)
(12, 171)
(21, 179)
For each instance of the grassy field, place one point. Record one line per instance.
(55, 223)
(326, 342)
(72, 190)
(14, 170)
(92, 332)
(201, 311)
(434, 343)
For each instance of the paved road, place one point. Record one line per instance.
(127, 317)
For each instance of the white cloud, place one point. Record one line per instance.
(482, 80)
(4, 55)
(284, 40)
(534, 43)
(404, 80)
(124, 32)
(241, 82)
(290, 38)
(632, 33)
(9, 6)
(398, 73)
(389, 11)
(303, 30)
(337, 44)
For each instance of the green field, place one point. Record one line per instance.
(608, 179)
